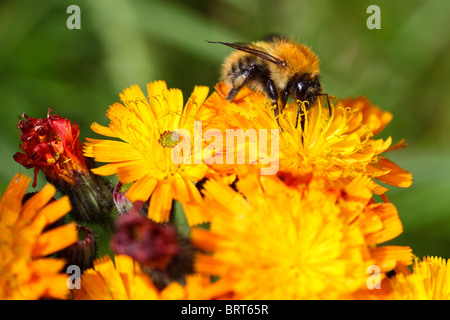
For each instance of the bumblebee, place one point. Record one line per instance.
(278, 67)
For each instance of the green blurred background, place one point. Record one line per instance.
(403, 67)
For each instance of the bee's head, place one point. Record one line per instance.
(307, 89)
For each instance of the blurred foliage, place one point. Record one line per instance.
(402, 67)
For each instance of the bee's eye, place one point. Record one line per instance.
(301, 89)
(316, 84)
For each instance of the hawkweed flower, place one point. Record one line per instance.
(26, 271)
(339, 146)
(377, 222)
(52, 145)
(300, 241)
(124, 279)
(429, 280)
(147, 132)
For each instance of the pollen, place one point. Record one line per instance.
(169, 139)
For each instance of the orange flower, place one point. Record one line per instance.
(124, 279)
(301, 239)
(26, 271)
(430, 280)
(339, 147)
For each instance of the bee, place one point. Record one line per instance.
(278, 67)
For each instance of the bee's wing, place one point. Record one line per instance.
(255, 50)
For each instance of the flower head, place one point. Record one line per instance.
(148, 130)
(301, 241)
(149, 243)
(430, 280)
(26, 271)
(339, 146)
(124, 279)
(52, 145)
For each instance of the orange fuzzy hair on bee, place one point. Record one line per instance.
(276, 66)
(300, 60)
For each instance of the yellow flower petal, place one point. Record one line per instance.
(113, 151)
(161, 202)
(142, 189)
(430, 280)
(102, 130)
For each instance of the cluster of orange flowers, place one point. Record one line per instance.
(310, 229)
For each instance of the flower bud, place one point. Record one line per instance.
(147, 242)
(123, 204)
(52, 145)
(83, 252)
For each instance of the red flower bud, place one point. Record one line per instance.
(83, 252)
(52, 145)
(149, 243)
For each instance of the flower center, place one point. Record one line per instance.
(169, 139)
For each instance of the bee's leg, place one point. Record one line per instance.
(238, 80)
(285, 96)
(272, 94)
(235, 89)
(302, 121)
(276, 112)
(261, 75)
(329, 105)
